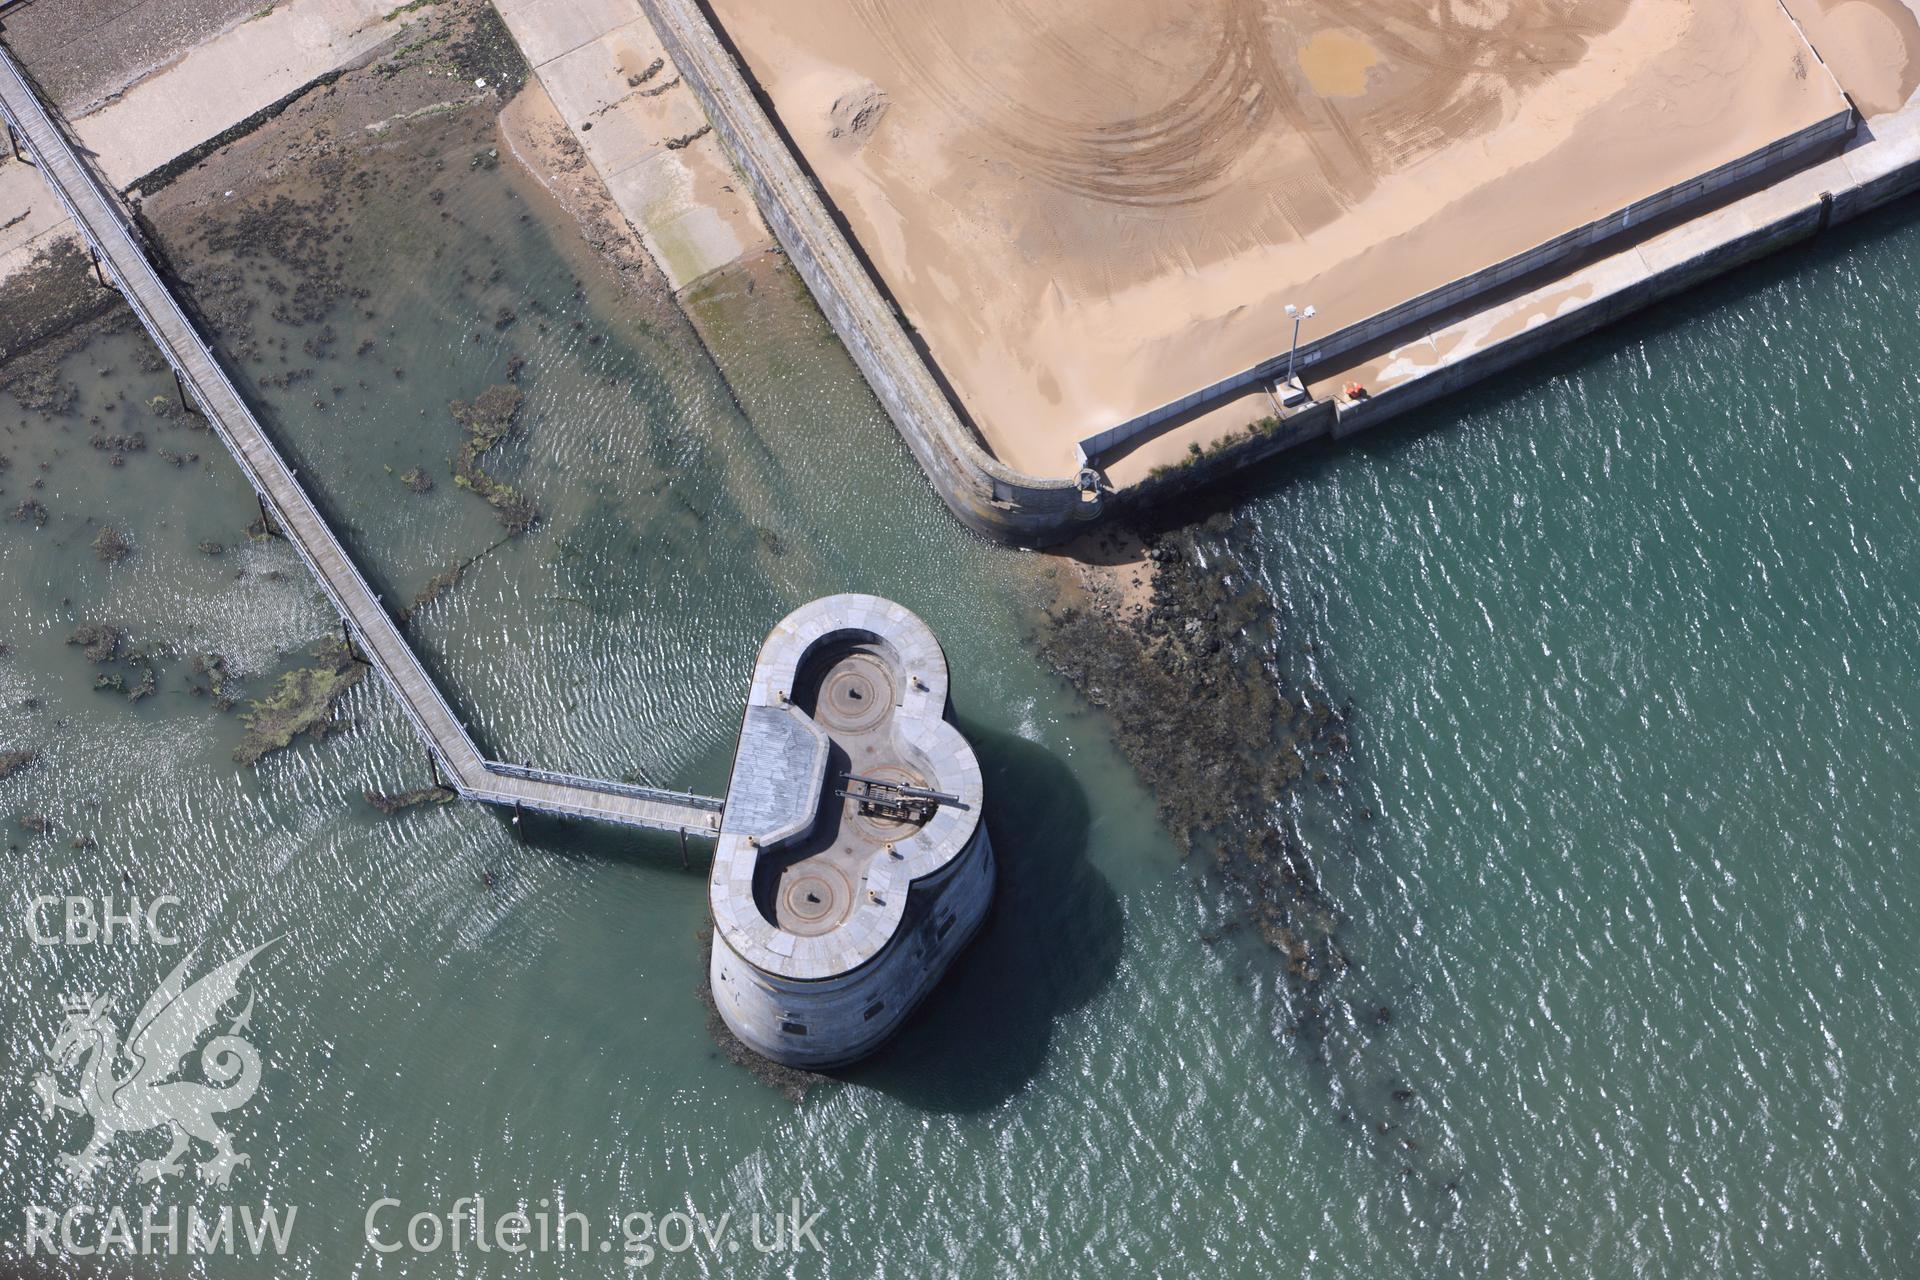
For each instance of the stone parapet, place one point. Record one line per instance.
(820, 899)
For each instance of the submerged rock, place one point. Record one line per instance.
(1189, 674)
(54, 292)
(214, 668)
(12, 762)
(393, 803)
(98, 641)
(445, 580)
(489, 419)
(1190, 658)
(117, 444)
(111, 545)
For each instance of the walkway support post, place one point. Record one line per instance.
(353, 650)
(286, 511)
(13, 142)
(101, 276)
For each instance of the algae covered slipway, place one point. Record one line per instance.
(1483, 849)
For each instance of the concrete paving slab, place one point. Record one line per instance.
(693, 215)
(30, 218)
(224, 81)
(587, 80)
(546, 29)
(197, 96)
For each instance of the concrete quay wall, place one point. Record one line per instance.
(1882, 165)
(1777, 158)
(984, 492)
(1767, 221)
(830, 1022)
(1803, 195)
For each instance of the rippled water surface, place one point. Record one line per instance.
(1629, 641)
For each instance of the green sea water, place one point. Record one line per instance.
(1628, 641)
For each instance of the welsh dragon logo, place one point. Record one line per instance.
(133, 1089)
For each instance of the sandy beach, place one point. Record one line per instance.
(1873, 47)
(1088, 209)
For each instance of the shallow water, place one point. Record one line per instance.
(1626, 641)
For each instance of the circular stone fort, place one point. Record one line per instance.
(852, 864)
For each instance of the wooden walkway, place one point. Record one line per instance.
(101, 219)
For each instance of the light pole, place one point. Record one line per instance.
(1298, 315)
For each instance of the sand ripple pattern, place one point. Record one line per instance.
(1630, 637)
(1107, 132)
(1175, 153)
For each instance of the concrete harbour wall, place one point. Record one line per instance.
(1738, 219)
(1883, 167)
(983, 491)
(1779, 157)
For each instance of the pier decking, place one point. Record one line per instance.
(108, 232)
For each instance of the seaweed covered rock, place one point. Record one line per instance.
(489, 419)
(1192, 678)
(303, 702)
(395, 802)
(111, 545)
(214, 668)
(439, 584)
(98, 641)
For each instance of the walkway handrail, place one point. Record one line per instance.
(112, 239)
(602, 784)
(190, 379)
